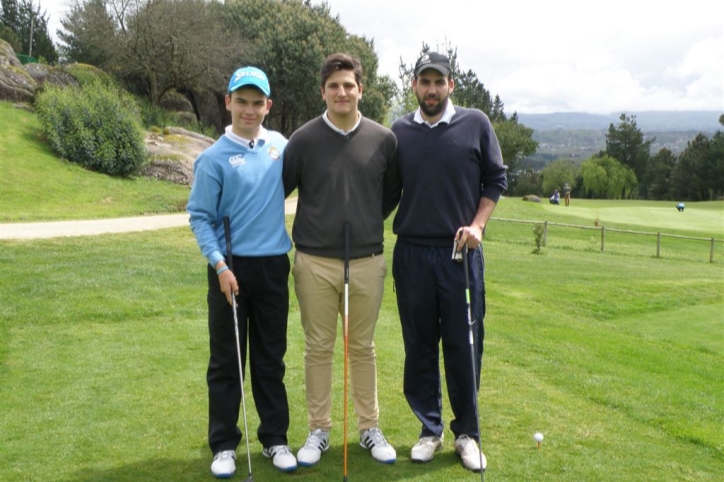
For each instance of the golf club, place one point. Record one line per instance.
(472, 358)
(230, 264)
(346, 340)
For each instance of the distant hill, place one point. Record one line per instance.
(649, 121)
(578, 135)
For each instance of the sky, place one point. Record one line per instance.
(602, 56)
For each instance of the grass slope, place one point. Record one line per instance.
(36, 185)
(617, 360)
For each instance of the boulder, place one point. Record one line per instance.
(16, 85)
(172, 154)
(43, 73)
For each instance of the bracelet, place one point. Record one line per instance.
(221, 270)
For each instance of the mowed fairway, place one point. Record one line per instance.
(615, 357)
(704, 217)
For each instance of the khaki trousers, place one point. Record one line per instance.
(319, 285)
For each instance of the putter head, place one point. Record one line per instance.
(249, 479)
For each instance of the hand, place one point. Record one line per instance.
(470, 235)
(228, 284)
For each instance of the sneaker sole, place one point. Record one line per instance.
(223, 476)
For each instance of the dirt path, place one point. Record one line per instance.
(59, 229)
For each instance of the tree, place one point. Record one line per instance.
(525, 181)
(661, 168)
(155, 45)
(88, 33)
(290, 39)
(21, 17)
(606, 178)
(558, 173)
(516, 141)
(626, 143)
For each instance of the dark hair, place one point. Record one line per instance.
(341, 61)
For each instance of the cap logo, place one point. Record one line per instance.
(248, 73)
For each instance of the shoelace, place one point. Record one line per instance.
(470, 446)
(374, 437)
(279, 450)
(226, 454)
(315, 440)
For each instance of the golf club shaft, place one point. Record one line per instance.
(346, 342)
(230, 264)
(472, 357)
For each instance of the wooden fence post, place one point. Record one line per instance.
(711, 253)
(545, 233)
(658, 245)
(603, 237)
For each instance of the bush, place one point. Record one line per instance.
(93, 125)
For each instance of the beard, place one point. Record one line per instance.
(432, 111)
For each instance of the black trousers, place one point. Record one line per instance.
(263, 307)
(431, 301)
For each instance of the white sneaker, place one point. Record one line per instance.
(317, 442)
(373, 440)
(282, 458)
(223, 465)
(425, 448)
(470, 454)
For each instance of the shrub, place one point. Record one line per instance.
(94, 125)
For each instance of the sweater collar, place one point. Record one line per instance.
(445, 119)
(337, 129)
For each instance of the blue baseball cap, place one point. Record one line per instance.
(250, 76)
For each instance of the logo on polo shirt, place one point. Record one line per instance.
(274, 153)
(237, 160)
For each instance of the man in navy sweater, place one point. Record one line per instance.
(452, 177)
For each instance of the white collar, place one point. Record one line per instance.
(446, 116)
(263, 134)
(325, 116)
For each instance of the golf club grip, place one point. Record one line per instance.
(227, 236)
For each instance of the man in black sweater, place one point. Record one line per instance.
(345, 169)
(452, 177)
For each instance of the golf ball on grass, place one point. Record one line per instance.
(538, 437)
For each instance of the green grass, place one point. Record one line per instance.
(616, 358)
(36, 185)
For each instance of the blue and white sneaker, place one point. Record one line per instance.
(317, 442)
(223, 465)
(282, 458)
(375, 442)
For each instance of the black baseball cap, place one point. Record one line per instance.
(433, 60)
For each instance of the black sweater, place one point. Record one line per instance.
(341, 178)
(445, 171)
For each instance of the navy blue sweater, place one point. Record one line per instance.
(445, 171)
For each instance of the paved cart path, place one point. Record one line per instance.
(59, 229)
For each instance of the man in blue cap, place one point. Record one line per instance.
(239, 176)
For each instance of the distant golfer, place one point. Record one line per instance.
(240, 176)
(452, 177)
(555, 197)
(567, 194)
(680, 207)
